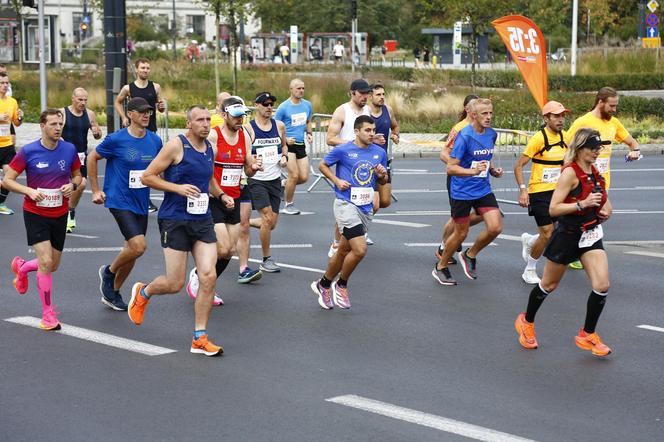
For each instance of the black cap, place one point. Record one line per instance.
(360, 85)
(138, 104)
(262, 97)
(595, 141)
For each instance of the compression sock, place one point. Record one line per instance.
(326, 283)
(199, 333)
(44, 286)
(535, 300)
(29, 266)
(342, 282)
(3, 195)
(72, 213)
(222, 263)
(596, 302)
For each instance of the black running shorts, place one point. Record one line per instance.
(563, 247)
(131, 224)
(182, 235)
(7, 154)
(39, 228)
(223, 215)
(461, 208)
(265, 194)
(299, 149)
(539, 208)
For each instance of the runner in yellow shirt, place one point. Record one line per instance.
(9, 114)
(465, 118)
(602, 119)
(546, 149)
(216, 118)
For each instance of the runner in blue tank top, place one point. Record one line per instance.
(185, 223)
(386, 128)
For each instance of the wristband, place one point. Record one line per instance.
(522, 186)
(578, 206)
(220, 195)
(74, 186)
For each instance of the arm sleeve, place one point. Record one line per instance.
(459, 147)
(535, 143)
(332, 157)
(280, 113)
(621, 132)
(76, 164)
(105, 148)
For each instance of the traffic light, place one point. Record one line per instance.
(83, 27)
(353, 8)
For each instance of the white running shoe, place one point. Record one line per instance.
(333, 249)
(192, 288)
(529, 276)
(368, 240)
(525, 247)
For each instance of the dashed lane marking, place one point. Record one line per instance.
(644, 253)
(400, 223)
(651, 328)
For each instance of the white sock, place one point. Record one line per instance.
(532, 239)
(532, 263)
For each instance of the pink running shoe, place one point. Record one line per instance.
(21, 279)
(340, 295)
(49, 320)
(192, 288)
(324, 298)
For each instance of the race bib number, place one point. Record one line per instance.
(53, 198)
(198, 206)
(361, 196)
(269, 154)
(590, 237)
(4, 130)
(299, 119)
(550, 174)
(135, 179)
(231, 176)
(475, 165)
(81, 158)
(602, 164)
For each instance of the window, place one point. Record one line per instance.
(31, 39)
(196, 24)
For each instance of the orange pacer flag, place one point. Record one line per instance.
(525, 42)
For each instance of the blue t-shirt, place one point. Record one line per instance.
(469, 147)
(295, 117)
(126, 159)
(356, 165)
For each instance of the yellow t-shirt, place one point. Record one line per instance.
(454, 132)
(8, 106)
(611, 130)
(543, 177)
(216, 120)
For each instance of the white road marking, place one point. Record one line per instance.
(78, 235)
(425, 419)
(507, 172)
(651, 327)
(288, 266)
(87, 249)
(651, 254)
(524, 212)
(285, 246)
(509, 237)
(400, 223)
(98, 337)
(436, 244)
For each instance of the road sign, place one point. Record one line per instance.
(651, 42)
(652, 5)
(652, 20)
(652, 32)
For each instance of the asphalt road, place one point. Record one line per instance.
(449, 352)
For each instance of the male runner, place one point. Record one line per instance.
(359, 164)
(470, 166)
(386, 128)
(268, 137)
(547, 150)
(232, 148)
(78, 119)
(52, 170)
(296, 114)
(217, 119)
(145, 88)
(128, 153)
(341, 131)
(185, 223)
(10, 115)
(602, 119)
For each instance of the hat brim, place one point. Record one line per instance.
(142, 108)
(236, 113)
(363, 91)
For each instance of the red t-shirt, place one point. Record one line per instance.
(229, 163)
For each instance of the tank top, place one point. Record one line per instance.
(195, 168)
(229, 163)
(588, 183)
(267, 145)
(76, 130)
(383, 125)
(347, 130)
(150, 94)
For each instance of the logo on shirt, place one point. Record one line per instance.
(62, 164)
(352, 155)
(363, 172)
(132, 154)
(41, 165)
(376, 157)
(483, 152)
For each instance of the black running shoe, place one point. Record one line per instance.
(468, 264)
(439, 254)
(443, 276)
(152, 208)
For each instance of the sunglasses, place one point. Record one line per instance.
(594, 149)
(268, 104)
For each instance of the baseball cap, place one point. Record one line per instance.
(360, 85)
(138, 104)
(595, 141)
(553, 107)
(234, 106)
(262, 97)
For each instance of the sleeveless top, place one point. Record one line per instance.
(195, 168)
(267, 145)
(588, 183)
(76, 130)
(229, 163)
(150, 94)
(383, 125)
(347, 131)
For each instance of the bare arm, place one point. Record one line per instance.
(251, 166)
(171, 153)
(119, 105)
(96, 130)
(334, 129)
(281, 127)
(212, 138)
(98, 196)
(518, 176)
(454, 169)
(327, 172)
(394, 126)
(566, 183)
(161, 104)
(9, 183)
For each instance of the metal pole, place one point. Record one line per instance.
(43, 92)
(588, 31)
(175, 33)
(575, 25)
(353, 28)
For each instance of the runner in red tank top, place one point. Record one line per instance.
(232, 157)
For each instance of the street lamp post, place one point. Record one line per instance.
(175, 33)
(43, 92)
(575, 23)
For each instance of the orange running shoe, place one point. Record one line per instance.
(526, 331)
(591, 342)
(137, 304)
(203, 346)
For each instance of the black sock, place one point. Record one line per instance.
(265, 258)
(3, 195)
(594, 310)
(72, 213)
(537, 297)
(342, 282)
(326, 283)
(222, 263)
